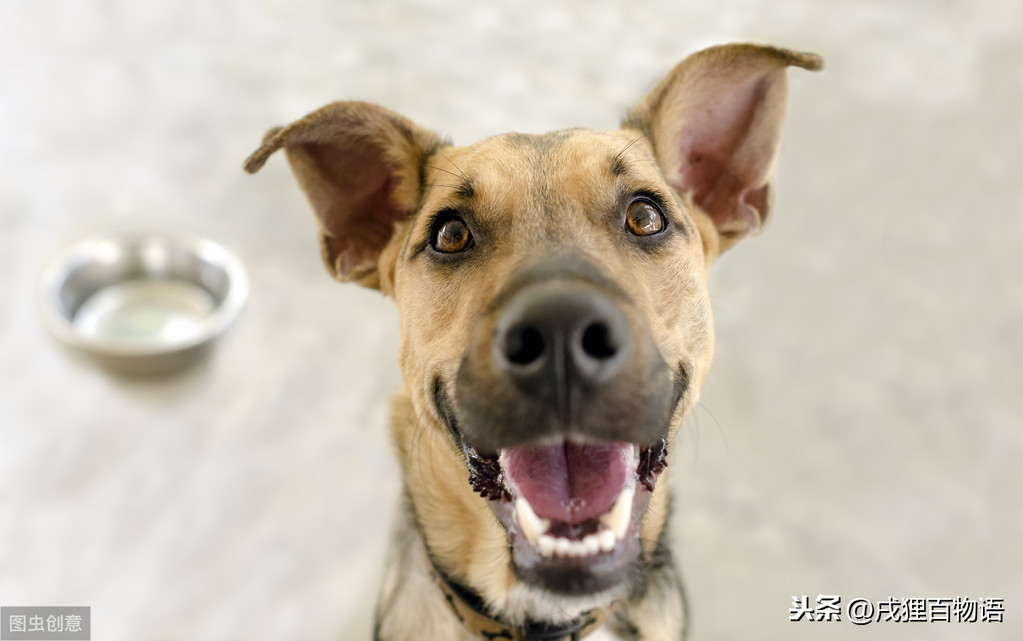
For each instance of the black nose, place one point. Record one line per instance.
(561, 340)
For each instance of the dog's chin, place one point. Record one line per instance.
(572, 510)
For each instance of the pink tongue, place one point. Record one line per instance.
(566, 481)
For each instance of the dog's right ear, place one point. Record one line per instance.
(360, 166)
(715, 125)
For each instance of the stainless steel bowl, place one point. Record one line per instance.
(142, 301)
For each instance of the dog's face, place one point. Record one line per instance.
(555, 324)
(555, 318)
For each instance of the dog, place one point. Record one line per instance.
(555, 330)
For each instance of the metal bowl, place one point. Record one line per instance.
(142, 301)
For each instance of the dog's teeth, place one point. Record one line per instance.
(561, 546)
(591, 544)
(546, 545)
(577, 549)
(532, 526)
(606, 539)
(617, 520)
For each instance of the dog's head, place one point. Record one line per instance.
(555, 324)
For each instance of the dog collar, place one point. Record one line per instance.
(468, 608)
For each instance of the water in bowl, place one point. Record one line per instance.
(145, 311)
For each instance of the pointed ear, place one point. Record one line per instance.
(715, 124)
(360, 166)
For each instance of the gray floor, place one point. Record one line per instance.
(860, 433)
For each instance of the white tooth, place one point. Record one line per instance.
(606, 539)
(617, 520)
(546, 545)
(588, 546)
(561, 546)
(532, 526)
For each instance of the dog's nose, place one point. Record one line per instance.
(561, 340)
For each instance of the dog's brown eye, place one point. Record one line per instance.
(452, 236)
(644, 219)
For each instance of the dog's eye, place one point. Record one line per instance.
(644, 219)
(452, 236)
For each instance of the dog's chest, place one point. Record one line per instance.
(603, 634)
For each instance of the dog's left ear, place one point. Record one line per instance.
(359, 165)
(715, 124)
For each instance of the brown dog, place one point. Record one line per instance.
(555, 331)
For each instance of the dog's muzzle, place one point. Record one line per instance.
(562, 406)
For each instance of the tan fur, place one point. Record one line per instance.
(544, 194)
(460, 531)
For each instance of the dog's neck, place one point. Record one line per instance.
(469, 609)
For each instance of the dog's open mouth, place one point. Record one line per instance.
(572, 508)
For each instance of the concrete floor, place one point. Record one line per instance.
(861, 430)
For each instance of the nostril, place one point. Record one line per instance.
(597, 342)
(524, 346)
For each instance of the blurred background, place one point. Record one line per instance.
(859, 434)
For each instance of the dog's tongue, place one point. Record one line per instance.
(569, 482)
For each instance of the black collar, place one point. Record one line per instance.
(468, 607)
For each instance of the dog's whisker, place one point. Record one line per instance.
(457, 168)
(446, 171)
(419, 431)
(620, 156)
(692, 429)
(717, 424)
